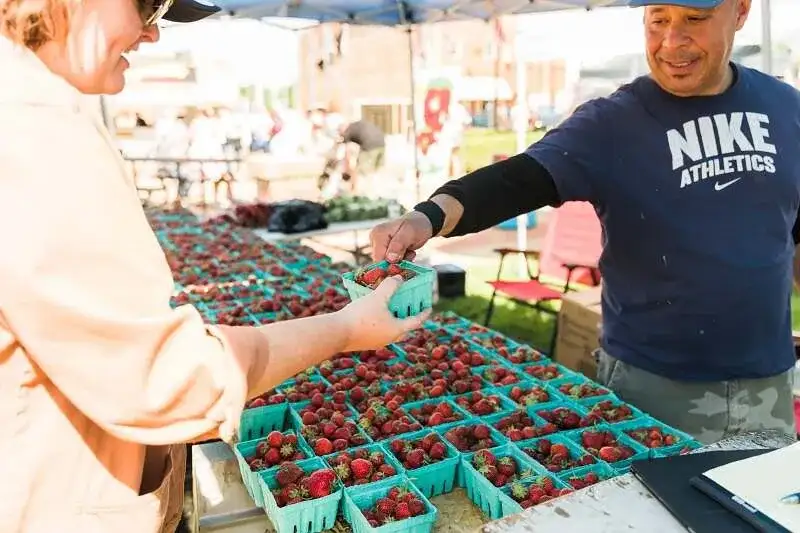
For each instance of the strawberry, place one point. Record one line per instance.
(320, 482)
(385, 506)
(401, 511)
(275, 439)
(361, 468)
(323, 447)
(288, 473)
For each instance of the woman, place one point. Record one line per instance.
(99, 378)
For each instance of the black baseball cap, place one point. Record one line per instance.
(186, 10)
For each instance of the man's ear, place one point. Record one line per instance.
(742, 8)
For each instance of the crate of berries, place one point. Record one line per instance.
(390, 506)
(556, 453)
(262, 454)
(520, 425)
(262, 414)
(328, 435)
(530, 393)
(526, 493)
(484, 402)
(609, 446)
(580, 389)
(655, 436)
(411, 298)
(301, 496)
(487, 471)
(431, 413)
(611, 410)
(566, 416)
(470, 436)
(547, 371)
(303, 387)
(586, 476)
(429, 460)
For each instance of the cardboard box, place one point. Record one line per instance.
(579, 331)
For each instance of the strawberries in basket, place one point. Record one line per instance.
(471, 438)
(372, 276)
(361, 466)
(276, 448)
(653, 437)
(336, 434)
(542, 490)
(557, 457)
(295, 486)
(499, 470)
(519, 426)
(380, 422)
(480, 403)
(544, 372)
(526, 395)
(582, 390)
(564, 418)
(420, 452)
(604, 445)
(581, 482)
(612, 411)
(435, 414)
(399, 504)
(500, 376)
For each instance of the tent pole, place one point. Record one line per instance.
(766, 36)
(521, 128)
(415, 147)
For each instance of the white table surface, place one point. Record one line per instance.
(332, 229)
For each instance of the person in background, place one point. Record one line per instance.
(101, 381)
(366, 150)
(694, 176)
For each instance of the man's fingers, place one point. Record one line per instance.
(399, 244)
(410, 255)
(379, 240)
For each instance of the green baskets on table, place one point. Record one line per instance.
(411, 298)
(363, 498)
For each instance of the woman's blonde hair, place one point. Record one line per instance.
(32, 23)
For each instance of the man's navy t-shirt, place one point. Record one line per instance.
(697, 198)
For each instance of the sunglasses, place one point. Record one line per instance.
(153, 11)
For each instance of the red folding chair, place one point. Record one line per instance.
(569, 256)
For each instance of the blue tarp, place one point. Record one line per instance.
(396, 13)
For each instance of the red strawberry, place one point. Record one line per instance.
(320, 482)
(275, 439)
(323, 447)
(361, 468)
(401, 511)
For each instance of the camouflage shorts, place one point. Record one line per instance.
(707, 411)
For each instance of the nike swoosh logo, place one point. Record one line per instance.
(719, 186)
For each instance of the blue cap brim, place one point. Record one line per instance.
(695, 4)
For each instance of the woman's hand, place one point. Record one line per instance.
(370, 325)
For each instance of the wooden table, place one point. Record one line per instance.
(619, 505)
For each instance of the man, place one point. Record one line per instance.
(366, 145)
(693, 173)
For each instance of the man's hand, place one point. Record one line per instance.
(398, 239)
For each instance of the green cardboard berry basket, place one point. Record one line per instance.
(367, 496)
(528, 384)
(621, 467)
(684, 439)
(602, 470)
(575, 451)
(510, 506)
(580, 379)
(257, 422)
(636, 414)
(498, 438)
(436, 478)
(311, 516)
(482, 492)
(242, 450)
(411, 298)
(389, 459)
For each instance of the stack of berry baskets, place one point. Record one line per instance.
(389, 506)
(579, 388)
(429, 460)
(531, 393)
(609, 445)
(414, 295)
(487, 471)
(660, 439)
(260, 455)
(470, 436)
(302, 496)
(364, 466)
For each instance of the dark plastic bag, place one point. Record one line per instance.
(297, 216)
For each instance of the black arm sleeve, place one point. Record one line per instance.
(500, 191)
(796, 229)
